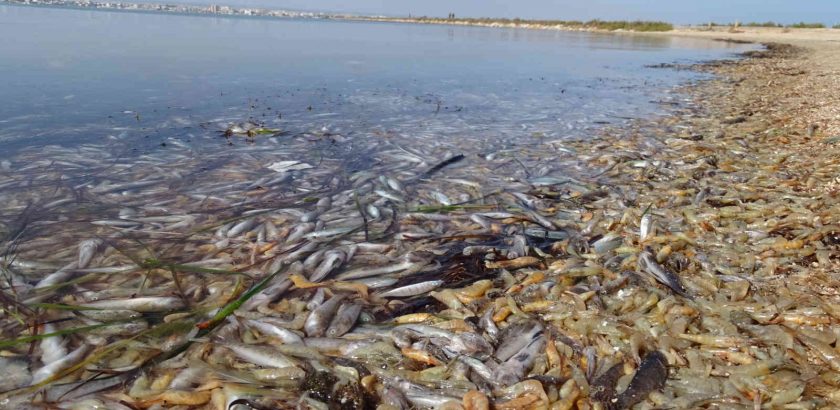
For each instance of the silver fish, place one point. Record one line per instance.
(140, 304)
(50, 370)
(344, 319)
(412, 290)
(319, 319)
(648, 264)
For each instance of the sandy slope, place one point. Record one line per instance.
(813, 96)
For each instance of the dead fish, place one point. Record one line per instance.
(268, 328)
(443, 164)
(603, 387)
(330, 233)
(651, 376)
(241, 228)
(57, 366)
(412, 290)
(388, 195)
(607, 243)
(646, 227)
(319, 319)
(514, 369)
(466, 343)
(87, 249)
(648, 264)
(344, 319)
(332, 261)
(373, 212)
(146, 304)
(394, 398)
(375, 271)
(52, 348)
(518, 263)
(262, 355)
(515, 337)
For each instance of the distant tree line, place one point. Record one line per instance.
(591, 24)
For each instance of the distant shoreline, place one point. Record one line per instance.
(601, 26)
(179, 9)
(228, 11)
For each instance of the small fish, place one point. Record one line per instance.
(443, 164)
(320, 318)
(648, 264)
(496, 215)
(57, 366)
(478, 367)
(146, 304)
(603, 387)
(442, 198)
(373, 212)
(393, 398)
(324, 204)
(260, 355)
(344, 319)
(266, 327)
(312, 261)
(515, 337)
(58, 276)
(368, 271)
(514, 369)
(486, 322)
(540, 220)
(391, 183)
(388, 195)
(412, 290)
(52, 348)
(332, 261)
(330, 233)
(607, 243)
(651, 376)
(241, 228)
(466, 343)
(646, 227)
(299, 231)
(87, 249)
(543, 234)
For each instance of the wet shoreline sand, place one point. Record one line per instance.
(693, 263)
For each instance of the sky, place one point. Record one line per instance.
(677, 11)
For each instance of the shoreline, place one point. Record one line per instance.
(739, 186)
(761, 139)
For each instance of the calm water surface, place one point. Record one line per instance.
(72, 76)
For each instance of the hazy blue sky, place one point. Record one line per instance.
(680, 11)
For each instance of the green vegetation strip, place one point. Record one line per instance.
(610, 25)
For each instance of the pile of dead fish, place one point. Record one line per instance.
(651, 271)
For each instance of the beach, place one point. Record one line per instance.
(685, 260)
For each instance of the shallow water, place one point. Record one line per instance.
(79, 76)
